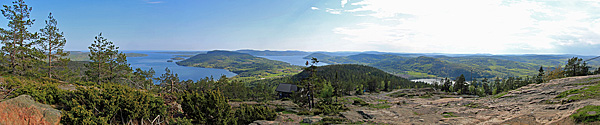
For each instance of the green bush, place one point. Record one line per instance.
(111, 103)
(247, 114)
(304, 112)
(236, 100)
(329, 108)
(360, 102)
(207, 107)
(180, 121)
(590, 113)
(47, 93)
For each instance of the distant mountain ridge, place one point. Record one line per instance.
(427, 65)
(475, 66)
(83, 56)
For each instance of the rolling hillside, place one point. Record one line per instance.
(245, 65)
(476, 66)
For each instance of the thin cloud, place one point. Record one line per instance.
(153, 2)
(314, 8)
(467, 26)
(333, 11)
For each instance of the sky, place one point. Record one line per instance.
(409, 26)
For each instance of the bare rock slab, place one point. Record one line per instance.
(24, 110)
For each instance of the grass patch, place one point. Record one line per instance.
(425, 96)
(289, 120)
(397, 94)
(475, 105)
(594, 78)
(380, 106)
(589, 92)
(288, 112)
(329, 120)
(590, 113)
(500, 95)
(448, 114)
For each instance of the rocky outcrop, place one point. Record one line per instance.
(312, 120)
(24, 110)
(265, 122)
(529, 105)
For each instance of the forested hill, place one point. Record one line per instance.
(273, 53)
(352, 76)
(318, 55)
(245, 65)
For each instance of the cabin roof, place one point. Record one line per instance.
(285, 87)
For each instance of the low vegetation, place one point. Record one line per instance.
(589, 92)
(590, 113)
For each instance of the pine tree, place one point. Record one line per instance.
(119, 68)
(309, 82)
(170, 81)
(540, 77)
(143, 79)
(52, 41)
(572, 68)
(446, 85)
(17, 41)
(460, 85)
(108, 64)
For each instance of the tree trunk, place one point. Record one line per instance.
(99, 72)
(50, 63)
(171, 86)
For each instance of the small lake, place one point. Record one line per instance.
(158, 62)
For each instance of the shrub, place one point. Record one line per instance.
(247, 114)
(47, 93)
(207, 107)
(180, 121)
(111, 103)
(304, 112)
(329, 108)
(360, 102)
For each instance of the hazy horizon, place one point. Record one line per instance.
(453, 27)
(433, 53)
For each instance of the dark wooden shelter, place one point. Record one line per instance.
(285, 90)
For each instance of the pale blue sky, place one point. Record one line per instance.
(423, 26)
